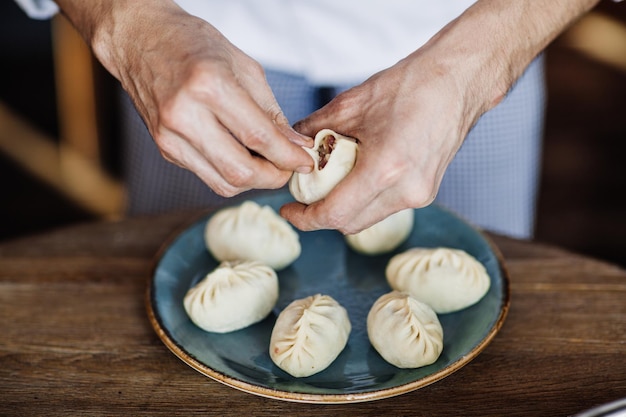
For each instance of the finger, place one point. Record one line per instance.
(342, 114)
(227, 176)
(260, 133)
(263, 95)
(215, 145)
(349, 200)
(240, 168)
(295, 137)
(325, 214)
(315, 122)
(184, 155)
(348, 220)
(384, 205)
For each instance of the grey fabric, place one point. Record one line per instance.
(492, 182)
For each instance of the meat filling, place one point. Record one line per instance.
(327, 145)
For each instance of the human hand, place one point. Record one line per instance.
(410, 120)
(405, 146)
(206, 104)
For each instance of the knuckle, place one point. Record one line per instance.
(201, 79)
(280, 180)
(393, 174)
(209, 80)
(224, 190)
(416, 190)
(419, 190)
(255, 139)
(167, 148)
(238, 176)
(255, 69)
(202, 74)
(421, 196)
(337, 221)
(347, 105)
(170, 111)
(349, 230)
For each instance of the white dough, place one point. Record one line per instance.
(233, 296)
(384, 236)
(312, 187)
(252, 233)
(446, 279)
(404, 331)
(309, 334)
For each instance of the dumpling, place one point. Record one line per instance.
(383, 236)
(250, 232)
(309, 334)
(404, 331)
(233, 296)
(334, 156)
(446, 279)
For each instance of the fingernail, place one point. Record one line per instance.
(304, 169)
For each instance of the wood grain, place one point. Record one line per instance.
(75, 338)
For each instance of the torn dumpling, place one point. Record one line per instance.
(334, 156)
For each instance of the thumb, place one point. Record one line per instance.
(314, 122)
(295, 137)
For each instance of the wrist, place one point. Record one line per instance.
(112, 27)
(486, 49)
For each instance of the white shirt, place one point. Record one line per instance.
(328, 41)
(38, 9)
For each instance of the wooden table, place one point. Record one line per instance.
(75, 338)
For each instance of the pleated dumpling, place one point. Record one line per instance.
(334, 156)
(250, 232)
(446, 279)
(384, 236)
(309, 334)
(233, 296)
(404, 331)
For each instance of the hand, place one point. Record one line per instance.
(413, 117)
(207, 105)
(410, 120)
(409, 124)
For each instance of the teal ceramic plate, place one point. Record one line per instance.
(241, 360)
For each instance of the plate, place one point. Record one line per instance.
(327, 265)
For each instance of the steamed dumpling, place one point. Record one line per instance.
(309, 334)
(404, 331)
(446, 279)
(233, 296)
(252, 233)
(334, 156)
(383, 236)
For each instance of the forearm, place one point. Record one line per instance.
(489, 46)
(106, 25)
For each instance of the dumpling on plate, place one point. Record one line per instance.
(233, 296)
(250, 232)
(446, 279)
(309, 334)
(384, 236)
(404, 331)
(334, 156)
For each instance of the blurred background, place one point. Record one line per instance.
(59, 148)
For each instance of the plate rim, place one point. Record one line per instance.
(302, 397)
